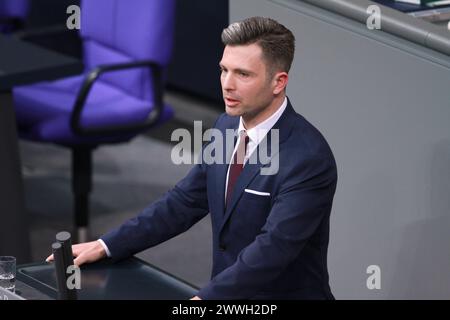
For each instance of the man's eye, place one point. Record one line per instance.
(244, 74)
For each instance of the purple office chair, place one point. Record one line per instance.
(13, 14)
(127, 45)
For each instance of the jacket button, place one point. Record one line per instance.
(222, 247)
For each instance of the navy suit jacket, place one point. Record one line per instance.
(264, 246)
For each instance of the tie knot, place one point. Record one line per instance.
(244, 137)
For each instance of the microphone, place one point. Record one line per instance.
(63, 256)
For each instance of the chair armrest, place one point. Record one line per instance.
(89, 81)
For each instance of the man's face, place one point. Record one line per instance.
(246, 88)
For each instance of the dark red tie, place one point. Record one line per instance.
(237, 164)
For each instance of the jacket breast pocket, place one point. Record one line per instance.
(258, 193)
(251, 213)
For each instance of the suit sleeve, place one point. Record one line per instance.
(174, 213)
(304, 200)
(177, 211)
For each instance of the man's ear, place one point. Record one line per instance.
(280, 80)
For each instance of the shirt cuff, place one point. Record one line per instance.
(105, 247)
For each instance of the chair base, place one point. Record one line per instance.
(81, 187)
(82, 234)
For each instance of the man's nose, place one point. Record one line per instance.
(228, 82)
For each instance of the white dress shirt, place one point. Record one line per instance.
(256, 135)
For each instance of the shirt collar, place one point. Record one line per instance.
(258, 132)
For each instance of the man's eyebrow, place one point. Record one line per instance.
(237, 69)
(243, 70)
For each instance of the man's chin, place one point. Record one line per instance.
(232, 111)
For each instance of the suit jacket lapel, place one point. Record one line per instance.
(220, 172)
(221, 178)
(246, 176)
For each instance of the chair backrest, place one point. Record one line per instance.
(119, 31)
(14, 8)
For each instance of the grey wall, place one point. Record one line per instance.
(383, 104)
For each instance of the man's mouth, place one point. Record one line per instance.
(231, 102)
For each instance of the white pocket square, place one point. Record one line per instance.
(259, 193)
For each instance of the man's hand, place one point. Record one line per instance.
(86, 252)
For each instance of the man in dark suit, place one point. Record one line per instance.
(270, 228)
